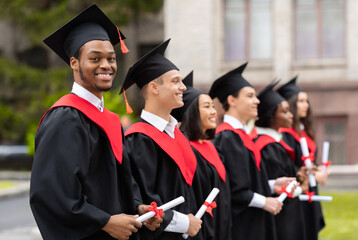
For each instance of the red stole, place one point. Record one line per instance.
(264, 140)
(208, 151)
(177, 148)
(108, 121)
(310, 143)
(248, 143)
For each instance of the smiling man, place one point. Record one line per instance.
(81, 182)
(163, 163)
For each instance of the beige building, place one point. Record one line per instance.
(315, 39)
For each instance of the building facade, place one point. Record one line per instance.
(314, 39)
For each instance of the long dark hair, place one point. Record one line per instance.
(191, 123)
(307, 121)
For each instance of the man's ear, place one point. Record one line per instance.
(74, 63)
(231, 100)
(153, 87)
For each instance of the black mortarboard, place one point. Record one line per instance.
(189, 96)
(289, 89)
(229, 84)
(90, 24)
(269, 100)
(149, 67)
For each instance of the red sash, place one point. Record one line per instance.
(248, 143)
(208, 151)
(177, 148)
(264, 140)
(108, 121)
(310, 143)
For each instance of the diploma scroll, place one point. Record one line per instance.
(203, 207)
(308, 164)
(283, 195)
(325, 152)
(165, 207)
(315, 198)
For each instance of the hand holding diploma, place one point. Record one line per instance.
(160, 209)
(207, 206)
(286, 191)
(307, 159)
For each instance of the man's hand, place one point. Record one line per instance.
(194, 225)
(121, 226)
(153, 222)
(282, 181)
(272, 205)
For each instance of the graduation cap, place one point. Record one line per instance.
(269, 100)
(289, 89)
(229, 84)
(90, 24)
(189, 96)
(149, 67)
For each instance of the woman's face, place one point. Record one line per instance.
(283, 117)
(207, 111)
(302, 104)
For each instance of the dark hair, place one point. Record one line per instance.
(266, 120)
(225, 104)
(191, 123)
(77, 54)
(307, 121)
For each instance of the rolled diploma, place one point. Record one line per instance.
(308, 164)
(315, 198)
(165, 207)
(283, 195)
(203, 208)
(325, 151)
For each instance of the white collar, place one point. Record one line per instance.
(87, 95)
(302, 127)
(160, 123)
(235, 123)
(270, 132)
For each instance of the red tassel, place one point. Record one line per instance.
(123, 45)
(128, 108)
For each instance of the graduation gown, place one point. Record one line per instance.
(313, 216)
(279, 162)
(159, 178)
(207, 177)
(76, 182)
(245, 179)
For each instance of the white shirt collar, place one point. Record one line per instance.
(235, 123)
(270, 132)
(87, 95)
(302, 127)
(160, 123)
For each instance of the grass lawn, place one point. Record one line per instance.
(6, 184)
(341, 216)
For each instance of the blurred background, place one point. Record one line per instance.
(314, 39)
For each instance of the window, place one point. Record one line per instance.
(248, 29)
(319, 28)
(333, 130)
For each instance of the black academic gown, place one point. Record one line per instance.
(217, 227)
(313, 215)
(76, 182)
(159, 179)
(290, 221)
(245, 179)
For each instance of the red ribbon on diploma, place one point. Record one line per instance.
(283, 190)
(310, 156)
(309, 194)
(158, 212)
(327, 163)
(210, 207)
